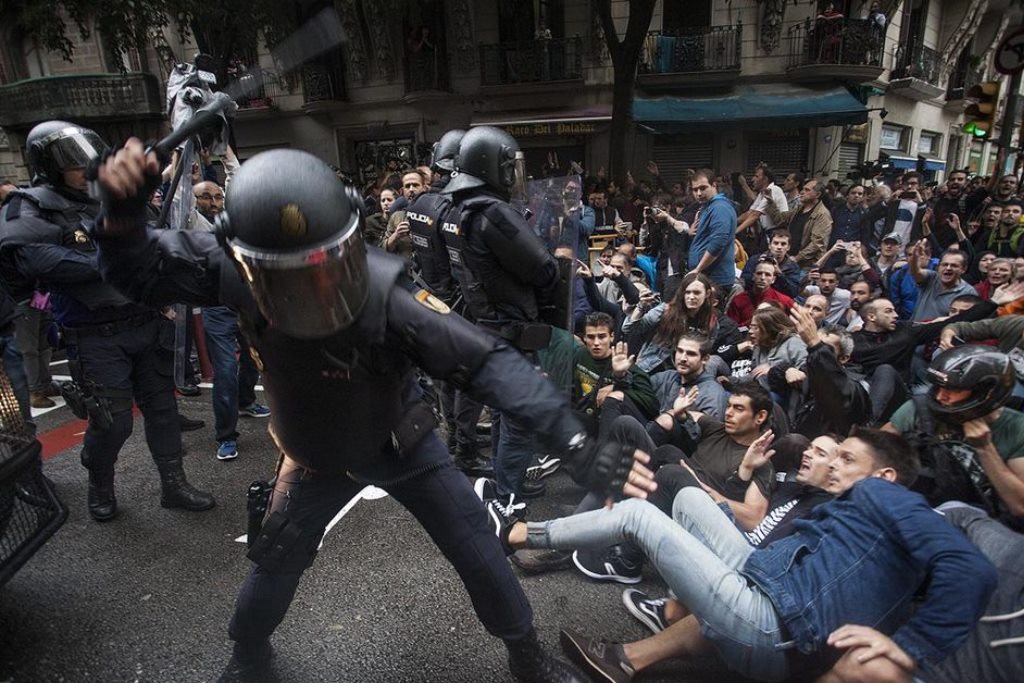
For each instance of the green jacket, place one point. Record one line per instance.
(589, 375)
(1008, 330)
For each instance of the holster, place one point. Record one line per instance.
(415, 424)
(86, 405)
(258, 500)
(282, 547)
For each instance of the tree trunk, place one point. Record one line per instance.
(622, 118)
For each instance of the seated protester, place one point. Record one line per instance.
(614, 279)
(969, 428)
(828, 287)
(775, 342)
(791, 609)
(817, 306)
(884, 340)
(692, 309)
(690, 372)
(788, 280)
(888, 257)
(856, 268)
(603, 259)
(992, 652)
(586, 298)
(901, 286)
(1000, 271)
(741, 308)
(937, 290)
(823, 396)
(861, 292)
(799, 489)
(979, 269)
(606, 381)
(641, 261)
(1005, 240)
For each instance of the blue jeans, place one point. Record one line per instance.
(699, 553)
(234, 373)
(513, 455)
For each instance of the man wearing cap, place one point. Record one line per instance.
(889, 254)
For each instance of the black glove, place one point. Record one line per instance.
(601, 468)
(127, 211)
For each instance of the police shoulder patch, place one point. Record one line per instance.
(432, 302)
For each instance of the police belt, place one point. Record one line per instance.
(111, 328)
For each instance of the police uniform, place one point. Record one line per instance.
(115, 349)
(504, 270)
(346, 409)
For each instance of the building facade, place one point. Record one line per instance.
(812, 87)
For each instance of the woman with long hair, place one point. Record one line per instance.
(775, 341)
(692, 309)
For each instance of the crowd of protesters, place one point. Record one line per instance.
(814, 368)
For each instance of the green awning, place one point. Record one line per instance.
(775, 105)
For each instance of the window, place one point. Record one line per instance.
(929, 144)
(894, 137)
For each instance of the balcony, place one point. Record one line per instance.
(916, 74)
(532, 61)
(703, 56)
(322, 84)
(960, 81)
(835, 49)
(426, 76)
(95, 97)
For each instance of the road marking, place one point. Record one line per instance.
(368, 493)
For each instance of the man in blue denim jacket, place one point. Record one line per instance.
(793, 607)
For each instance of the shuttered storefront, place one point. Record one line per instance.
(850, 154)
(785, 151)
(676, 153)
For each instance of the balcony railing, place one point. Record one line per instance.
(846, 42)
(921, 63)
(258, 88)
(321, 83)
(533, 61)
(712, 48)
(101, 96)
(961, 80)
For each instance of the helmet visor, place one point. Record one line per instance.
(74, 147)
(311, 293)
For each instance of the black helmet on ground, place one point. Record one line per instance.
(487, 158)
(53, 147)
(295, 232)
(445, 151)
(985, 372)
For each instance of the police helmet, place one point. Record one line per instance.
(987, 373)
(56, 146)
(295, 232)
(445, 151)
(487, 157)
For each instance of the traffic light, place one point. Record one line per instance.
(982, 113)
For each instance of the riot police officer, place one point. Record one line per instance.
(337, 328)
(504, 270)
(426, 214)
(115, 351)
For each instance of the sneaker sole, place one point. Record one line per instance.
(617, 578)
(641, 616)
(478, 488)
(257, 417)
(223, 458)
(577, 653)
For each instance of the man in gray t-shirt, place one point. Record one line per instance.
(938, 289)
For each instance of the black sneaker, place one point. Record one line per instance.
(533, 489)
(485, 489)
(541, 561)
(604, 661)
(548, 466)
(502, 516)
(529, 663)
(609, 566)
(188, 424)
(650, 613)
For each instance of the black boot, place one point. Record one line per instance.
(528, 662)
(472, 463)
(176, 492)
(102, 503)
(249, 664)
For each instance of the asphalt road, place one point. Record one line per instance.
(148, 596)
